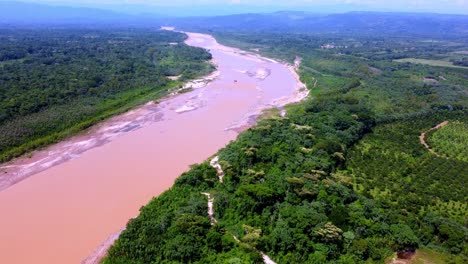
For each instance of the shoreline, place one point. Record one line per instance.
(301, 92)
(101, 251)
(41, 159)
(21, 168)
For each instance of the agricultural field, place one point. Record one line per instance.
(450, 141)
(392, 166)
(439, 63)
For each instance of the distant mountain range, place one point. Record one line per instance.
(38, 14)
(434, 25)
(370, 22)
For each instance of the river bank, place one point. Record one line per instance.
(86, 189)
(21, 168)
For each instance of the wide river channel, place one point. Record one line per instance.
(61, 203)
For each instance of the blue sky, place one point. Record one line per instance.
(437, 6)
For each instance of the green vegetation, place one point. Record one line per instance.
(430, 256)
(391, 166)
(54, 83)
(440, 63)
(342, 179)
(450, 140)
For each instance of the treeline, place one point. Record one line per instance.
(462, 62)
(376, 47)
(342, 179)
(374, 24)
(56, 80)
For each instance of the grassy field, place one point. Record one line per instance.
(429, 256)
(439, 63)
(465, 52)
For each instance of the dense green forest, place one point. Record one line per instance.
(56, 82)
(342, 179)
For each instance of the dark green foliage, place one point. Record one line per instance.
(404, 237)
(54, 83)
(202, 176)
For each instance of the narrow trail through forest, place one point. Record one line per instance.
(422, 137)
(215, 164)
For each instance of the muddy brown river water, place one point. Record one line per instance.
(59, 205)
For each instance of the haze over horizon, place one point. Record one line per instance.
(226, 7)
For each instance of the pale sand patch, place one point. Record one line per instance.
(210, 209)
(174, 78)
(168, 28)
(215, 164)
(301, 92)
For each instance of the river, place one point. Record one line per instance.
(60, 204)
